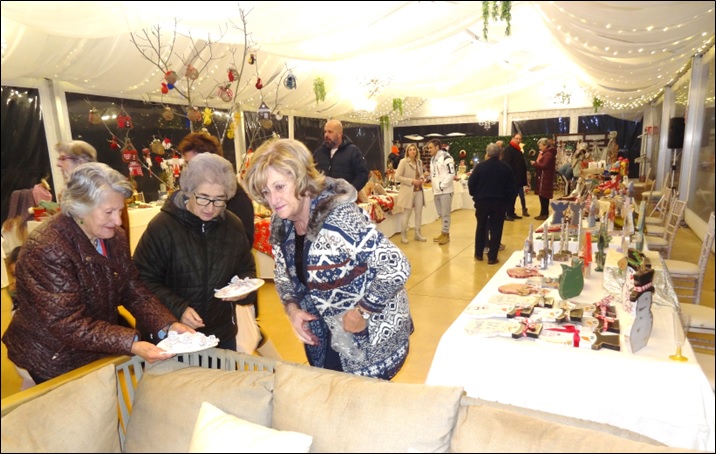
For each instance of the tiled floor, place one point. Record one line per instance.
(444, 280)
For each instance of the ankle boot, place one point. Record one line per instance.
(404, 237)
(439, 237)
(445, 239)
(524, 212)
(418, 236)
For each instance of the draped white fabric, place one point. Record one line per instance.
(624, 52)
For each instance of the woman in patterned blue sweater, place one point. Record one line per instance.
(342, 283)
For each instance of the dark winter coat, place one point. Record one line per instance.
(492, 179)
(67, 297)
(546, 168)
(347, 163)
(514, 158)
(183, 260)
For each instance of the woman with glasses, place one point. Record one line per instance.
(73, 153)
(194, 246)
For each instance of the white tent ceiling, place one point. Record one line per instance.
(432, 55)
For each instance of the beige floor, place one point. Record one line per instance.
(444, 280)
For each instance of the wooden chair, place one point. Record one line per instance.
(664, 244)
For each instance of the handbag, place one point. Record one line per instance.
(249, 334)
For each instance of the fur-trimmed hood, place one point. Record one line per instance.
(337, 192)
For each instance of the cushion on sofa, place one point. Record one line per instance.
(170, 394)
(216, 431)
(347, 413)
(486, 429)
(80, 416)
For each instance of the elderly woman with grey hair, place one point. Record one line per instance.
(194, 246)
(492, 187)
(72, 154)
(72, 273)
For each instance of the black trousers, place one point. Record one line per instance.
(490, 214)
(543, 206)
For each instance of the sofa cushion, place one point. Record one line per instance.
(483, 428)
(80, 416)
(347, 413)
(216, 431)
(169, 396)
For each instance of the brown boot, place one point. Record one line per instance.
(445, 240)
(439, 237)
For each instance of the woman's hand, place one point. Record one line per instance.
(299, 322)
(353, 321)
(181, 328)
(150, 352)
(191, 318)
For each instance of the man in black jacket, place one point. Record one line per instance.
(338, 157)
(492, 187)
(515, 159)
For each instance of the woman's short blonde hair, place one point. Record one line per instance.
(288, 157)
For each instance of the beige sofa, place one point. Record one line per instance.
(261, 405)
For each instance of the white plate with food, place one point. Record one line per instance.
(176, 343)
(239, 287)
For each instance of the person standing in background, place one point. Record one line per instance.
(546, 167)
(492, 187)
(513, 157)
(73, 153)
(338, 157)
(410, 195)
(442, 175)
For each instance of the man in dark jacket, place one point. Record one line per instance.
(492, 187)
(515, 159)
(338, 157)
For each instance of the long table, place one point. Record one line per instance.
(644, 391)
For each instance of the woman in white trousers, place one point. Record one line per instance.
(410, 195)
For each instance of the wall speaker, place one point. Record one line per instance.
(676, 133)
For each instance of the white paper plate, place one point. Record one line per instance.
(239, 288)
(198, 343)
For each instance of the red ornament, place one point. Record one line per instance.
(259, 84)
(113, 143)
(165, 89)
(233, 74)
(158, 160)
(145, 151)
(171, 77)
(135, 169)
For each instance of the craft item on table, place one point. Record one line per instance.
(544, 282)
(522, 305)
(607, 340)
(522, 272)
(493, 327)
(640, 226)
(592, 213)
(563, 255)
(517, 289)
(527, 255)
(542, 300)
(550, 228)
(576, 209)
(577, 312)
(546, 314)
(571, 282)
(641, 297)
(559, 207)
(607, 315)
(488, 310)
(566, 335)
(529, 328)
(587, 254)
(602, 244)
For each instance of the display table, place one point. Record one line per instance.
(644, 392)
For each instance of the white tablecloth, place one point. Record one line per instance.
(644, 392)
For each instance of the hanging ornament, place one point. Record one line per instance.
(129, 153)
(165, 89)
(171, 78)
(225, 93)
(233, 74)
(252, 58)
(230, 130)
(278, 116)
(124, 121)
(167, 144)
(264, 112)
(94, 116)
(146, 151)
(168, 114)
(266, 124)
(207, 116)
(193, 114)
(259, 84)
(113, 143)
(156, 147)
(135, 169)
(290, 81)
(191, 73)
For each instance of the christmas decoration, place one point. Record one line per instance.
(319, 89)
(290, 81)
(264, 112)
(398, 105)
(156, 147)
(113, 144)
(94, 116)
(191, 73)
(207, 116)
(124, 121)
(129, 153)
(193, 114)
(225, 93)
(252, 58)
(259, 84)
(233, 74)
(171, 78)
(135, 169)
(164, 88)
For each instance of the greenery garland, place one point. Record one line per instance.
(319, 89)
(597, 104)
(496, 10)
(398, 105)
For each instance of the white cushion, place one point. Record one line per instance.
(653, 220)
(80, 416)
(655, 230)
(655, 241)
(216, 431)
(681, 268)
(702, 317)
(651, 195)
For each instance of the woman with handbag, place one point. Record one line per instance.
(410, 195)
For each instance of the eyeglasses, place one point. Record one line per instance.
(64, 158)
(204, 201)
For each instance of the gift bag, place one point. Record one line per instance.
(249, 334)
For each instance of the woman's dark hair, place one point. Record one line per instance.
(200, 142)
